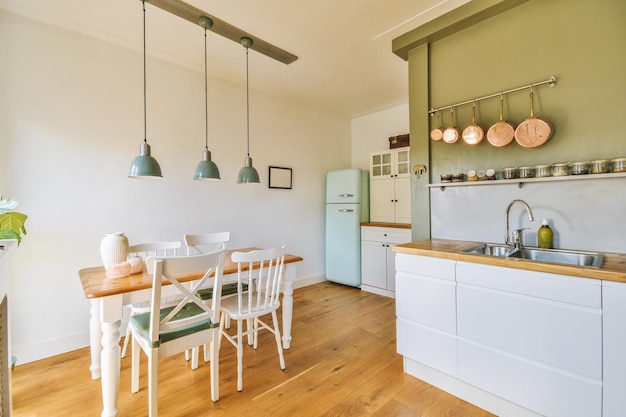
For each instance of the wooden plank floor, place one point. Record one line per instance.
(342, 362)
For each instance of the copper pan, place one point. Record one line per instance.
(473, 134)
(451, 134)
(534, 131)
(501, 133)
(437, 133)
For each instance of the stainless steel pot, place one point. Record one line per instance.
(543, 170)
(600, 166)
(560, 169)
(526, 172)
(510, 173)
(580, 168)
(619, 164)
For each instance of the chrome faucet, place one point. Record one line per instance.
(517, 234)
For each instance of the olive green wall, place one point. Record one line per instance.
(582, 43)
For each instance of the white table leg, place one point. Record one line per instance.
(111, 318)
(110, 367)
(95, 336)
(288, 304)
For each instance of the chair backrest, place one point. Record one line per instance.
(265, 280)
(171, 268)
(207, 242)
(145, 250)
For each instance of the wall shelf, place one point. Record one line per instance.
(521, 181)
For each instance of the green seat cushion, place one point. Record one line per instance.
(141, 322)
(228, 289)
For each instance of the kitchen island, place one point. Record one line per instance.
(513, 336)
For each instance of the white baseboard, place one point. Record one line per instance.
(35, 352)
(305, 282)
(379, 291)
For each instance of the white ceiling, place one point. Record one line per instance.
(345, 63)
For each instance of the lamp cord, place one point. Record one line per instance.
(206, 98)
(248, 101)
(145, 128)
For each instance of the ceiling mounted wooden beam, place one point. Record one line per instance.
(190, 13)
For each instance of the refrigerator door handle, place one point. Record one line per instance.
(346, 210)
(346, 195)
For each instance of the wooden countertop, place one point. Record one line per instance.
(613, 269)
(381, 224)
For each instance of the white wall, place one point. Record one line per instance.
(585, 213)
(72, 121)
(371, 132)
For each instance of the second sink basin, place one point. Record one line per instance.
(559, 256)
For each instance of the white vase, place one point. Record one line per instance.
(113, 249)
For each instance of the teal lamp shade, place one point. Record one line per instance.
(144, 165)
(248, 174)
(206, 169)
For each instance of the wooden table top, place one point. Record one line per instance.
(96, 284)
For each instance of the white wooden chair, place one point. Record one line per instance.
(203, 243)
(263, 298)
(206, 242)
(191, 322)
(144, 250)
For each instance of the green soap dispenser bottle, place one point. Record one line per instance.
(544, 235)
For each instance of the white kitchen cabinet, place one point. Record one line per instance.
(532, 338)
(614, 347)
(390, 186)
(378, 267)
(426, 311)
(513, 341)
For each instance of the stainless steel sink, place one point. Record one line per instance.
(567, 257)
(558, 256)
(491, 249)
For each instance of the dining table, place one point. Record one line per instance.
(108, 296)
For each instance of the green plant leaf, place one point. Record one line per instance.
(12, 225)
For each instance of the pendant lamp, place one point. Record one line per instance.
(206, 169)
(247, 174)
(144, 165)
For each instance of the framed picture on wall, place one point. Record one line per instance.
(280, 177)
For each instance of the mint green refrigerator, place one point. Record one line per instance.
(347, 206)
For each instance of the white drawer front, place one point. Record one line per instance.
(426, 266)
(427, 301)
(430, 347)
(385, 234)
(557, 334)
(542, 389)
(572, 290)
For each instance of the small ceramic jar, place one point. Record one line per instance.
(472, 175)
(491, 174)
